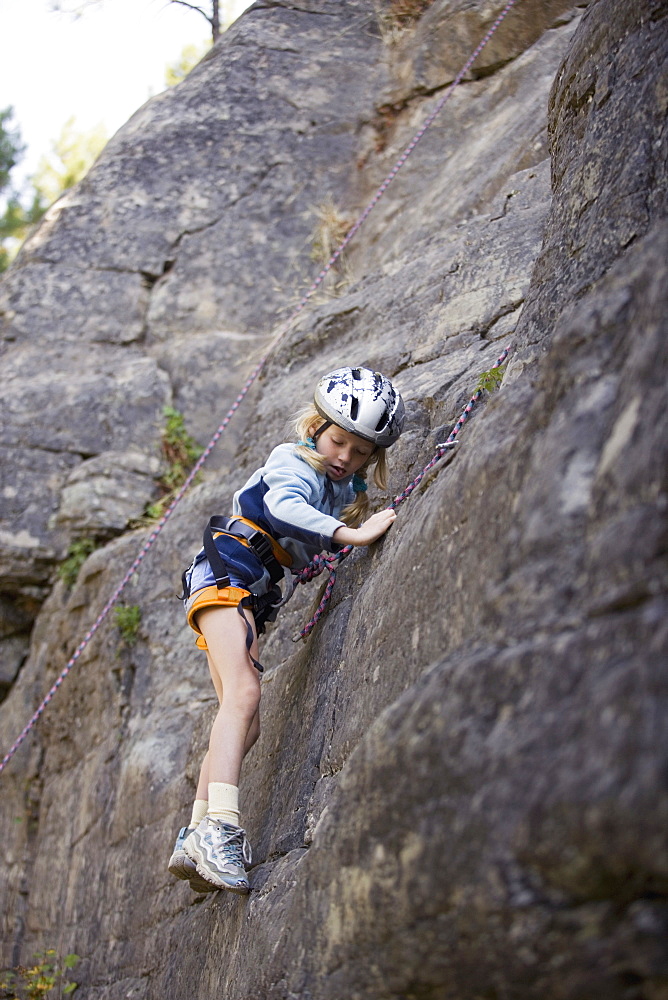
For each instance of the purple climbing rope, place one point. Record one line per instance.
(251, 379)
(128, 576)
(321, 563)
(429, 121)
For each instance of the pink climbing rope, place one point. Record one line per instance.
(321, 563)
(251, 379)
(128, 576)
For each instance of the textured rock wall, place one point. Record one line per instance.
(459, 791)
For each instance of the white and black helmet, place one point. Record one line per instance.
(363, 402)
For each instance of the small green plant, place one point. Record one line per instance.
(179, 448)
(181, 452)
(77, 554)
(23, 983)
(128, 620)
(491, 380)
(154, 511)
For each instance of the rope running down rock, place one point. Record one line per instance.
(249, 382)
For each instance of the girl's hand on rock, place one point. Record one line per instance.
(368, 532)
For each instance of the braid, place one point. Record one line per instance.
(356, 512)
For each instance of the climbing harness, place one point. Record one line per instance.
(321, 563)
(280, 334)
(272, 556)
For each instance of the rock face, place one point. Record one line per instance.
(459, 791)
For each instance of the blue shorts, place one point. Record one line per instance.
(247, 574)
(244, 568)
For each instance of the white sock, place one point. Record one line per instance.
(200, 808)
(224, 802)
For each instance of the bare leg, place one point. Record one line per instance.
(237, 684)
(251, 738)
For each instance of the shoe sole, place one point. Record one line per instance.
(184, 868)
(239, 890)
(179, 866)
(198, 884)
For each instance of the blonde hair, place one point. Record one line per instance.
(306, 423)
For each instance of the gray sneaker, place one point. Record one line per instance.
(181, 865)
(220, 852)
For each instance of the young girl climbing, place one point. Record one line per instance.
(309, 496)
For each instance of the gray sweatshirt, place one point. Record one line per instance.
(297, 505)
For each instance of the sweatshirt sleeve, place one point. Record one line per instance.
(291, 489)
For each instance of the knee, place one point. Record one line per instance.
(246, 697)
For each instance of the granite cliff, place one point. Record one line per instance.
(459, 791)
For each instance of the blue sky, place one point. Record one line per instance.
(98, 68)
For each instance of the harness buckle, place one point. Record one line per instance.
(262, 546)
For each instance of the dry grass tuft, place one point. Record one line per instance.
(329, 232)
(395, 16)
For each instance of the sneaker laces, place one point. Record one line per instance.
(232, 843)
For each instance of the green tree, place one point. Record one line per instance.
(15, 224)
(11, 147)
(190, 56)
(12, 217)
(72, 155)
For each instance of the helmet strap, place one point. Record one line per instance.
(323, 427)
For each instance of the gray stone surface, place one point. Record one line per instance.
(459, 791)
(141, 263)
(106, 493)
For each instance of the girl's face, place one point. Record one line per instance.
(344, 453)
